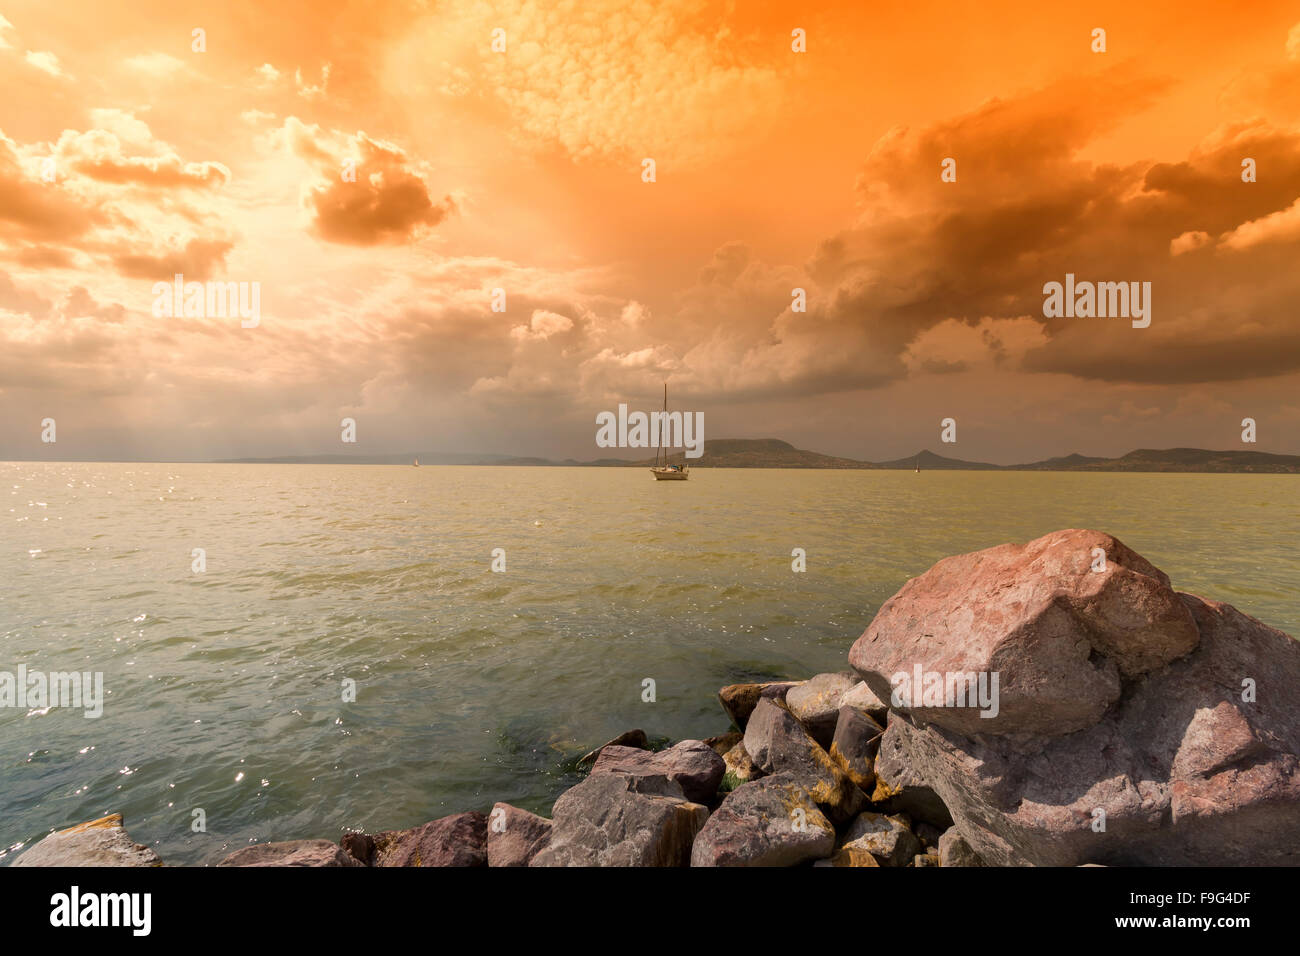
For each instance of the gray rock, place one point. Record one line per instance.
(888, 838)
(863, 697)
(515, 836)
(102, 842)
(854, 746)
(900, 788)
(778, 743)
(769, 822)
(739, 700)
(955, 851)
(614, 819)
(816, 703)
(692, 764)
(292, 853)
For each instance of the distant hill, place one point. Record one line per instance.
(774, 453)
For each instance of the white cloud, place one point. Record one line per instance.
(44, 61)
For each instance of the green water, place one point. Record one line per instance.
(224, 688)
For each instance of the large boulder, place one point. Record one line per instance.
(457, 840)
(1059, 623)
(515, 836)
(816, 703)
(739, 700)
(292, 853)
(769, 822)
(1195, 762)
(102, 842)
(692, 764)
(616, 819)
(778, 743)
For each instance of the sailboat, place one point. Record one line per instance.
(918, 466)
(416, 463)
(664, 471)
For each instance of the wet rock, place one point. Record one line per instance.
(739, 700)
(457, 840)
(769, 822)
(816, 703)
(629, 738)
(292, 853)
(778, 743)
(615, 819)
(515, 836)
(692, 764)
(102, 842)
(1059, 635)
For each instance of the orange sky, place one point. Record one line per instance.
(521, 170)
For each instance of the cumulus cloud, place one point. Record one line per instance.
(389, 201)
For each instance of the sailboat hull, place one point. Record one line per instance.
(667, 474)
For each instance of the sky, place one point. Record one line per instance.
(503, 146)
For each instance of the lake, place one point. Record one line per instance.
(223, 689)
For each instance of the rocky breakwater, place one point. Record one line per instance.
(1053, 703)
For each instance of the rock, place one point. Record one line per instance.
(102, 842)
(778, 743)
(457, 840)
(900, 789)
(629, 738)
(740, 769)
(955, 851)
(692, 764)
(888, 838)
(1059, 636)
(292, 853)
(1197, 763)
(849, 856)
(854, 746)
(515, 836)
(862, 697)
(925, 859)
(615, 819)
(724, 742)
(769, 822)
(816, 704)
(739, 700)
